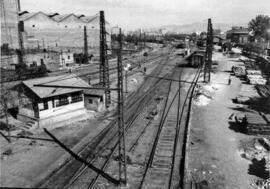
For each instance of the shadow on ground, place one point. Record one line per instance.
(237, 127)
(257, 168)
(260, 104)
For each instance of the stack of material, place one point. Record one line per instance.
(256, 124)
(248, 91)
(239, 70)
(254, 77)
(263, 90)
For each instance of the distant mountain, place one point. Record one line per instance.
(198, 27)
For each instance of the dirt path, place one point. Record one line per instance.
(213, 155)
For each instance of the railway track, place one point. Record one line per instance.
(137, 114)
(161, 163)
(102, 146)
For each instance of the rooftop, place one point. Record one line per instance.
(239, 30)
(63, 80)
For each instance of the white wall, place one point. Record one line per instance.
(61, 109)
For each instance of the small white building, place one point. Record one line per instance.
(50, 107)
(66, 59)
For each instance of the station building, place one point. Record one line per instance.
(50, 107)
(238, 35)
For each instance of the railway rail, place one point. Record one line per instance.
(136, 105)
(160, 165)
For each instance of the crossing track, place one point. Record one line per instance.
(106, 141)
(159, 168)
(160, 165)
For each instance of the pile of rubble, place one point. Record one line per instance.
(258, 150)
(203, 94)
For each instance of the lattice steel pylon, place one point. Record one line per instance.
(85, 59)
(208, 53)
(104, 77)
(120, 108)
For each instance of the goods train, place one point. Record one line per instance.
(23, 72)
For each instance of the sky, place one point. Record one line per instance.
(133, 14)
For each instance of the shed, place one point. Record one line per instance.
(49, 107)
(95, 99)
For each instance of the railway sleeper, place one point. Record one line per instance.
(163, 139)
(162, 164)
(166, 145)
(163, 152)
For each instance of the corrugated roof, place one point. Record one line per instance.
(97, 92)
(23, 12)
(27, 15)
(60, 17)
(63, 80)
(52, 14)
(80, 15)
(89, 18)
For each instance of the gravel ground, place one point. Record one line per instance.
(213, 149)
(32, 160)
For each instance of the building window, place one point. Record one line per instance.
(90, 101)
(76, 97)
(68, 57)
(62, 100)
(43, 106)
(33, 26)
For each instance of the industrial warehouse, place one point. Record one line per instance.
(122, 94)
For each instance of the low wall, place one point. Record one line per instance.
(61, 110)
(63, 119)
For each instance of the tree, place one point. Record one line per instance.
(261, 26)
(5, 99)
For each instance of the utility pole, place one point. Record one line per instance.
(140, 40)
(21, 45)
(43, 43)
(121, 127)
(208, 54)
(126, 78)
(104, 65)
(144, 40)
(85, 60)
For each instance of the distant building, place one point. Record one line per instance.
(51, 59)
(68, 21)
(238, 35)
(49, 107)
(54, 30)
(66, 59)
(94, 99)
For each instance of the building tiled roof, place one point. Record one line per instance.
(239, 30)
(63, 80)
